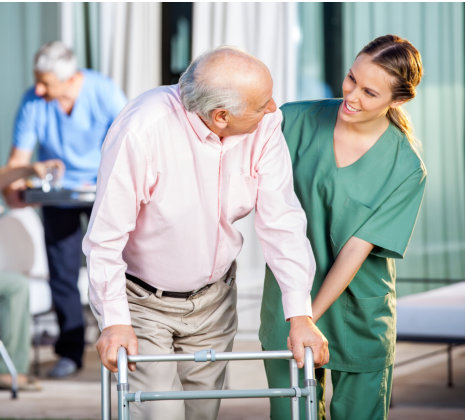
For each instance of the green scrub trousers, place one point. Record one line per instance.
(356, 396)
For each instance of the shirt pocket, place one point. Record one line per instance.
(242, 196)
(369, 329)
(347, 221)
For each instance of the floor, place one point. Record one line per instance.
(420, 389)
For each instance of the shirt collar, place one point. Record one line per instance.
(203, 132)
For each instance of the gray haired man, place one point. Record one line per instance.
(67, 114)
(179, 166)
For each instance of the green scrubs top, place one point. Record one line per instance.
(376, 199)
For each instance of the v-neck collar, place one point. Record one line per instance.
(371, 150)
(76, 102)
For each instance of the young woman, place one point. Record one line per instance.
(361, 183)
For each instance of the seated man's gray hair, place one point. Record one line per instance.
(202, 96)
(55, 57)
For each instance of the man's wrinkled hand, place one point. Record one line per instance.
(111, 339)
(304, 333)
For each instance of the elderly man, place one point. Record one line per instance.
(179, 166)
(67, 112)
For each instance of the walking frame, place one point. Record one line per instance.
(308, 391)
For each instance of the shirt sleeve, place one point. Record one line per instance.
(110, 96)
(391, 225)
(124, 183)
(117, 100)
(24, 134)
(281, 224)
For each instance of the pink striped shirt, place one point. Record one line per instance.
(168, 194)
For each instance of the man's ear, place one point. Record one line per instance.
(220, 118)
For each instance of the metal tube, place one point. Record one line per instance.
(215, 394)
(308, 392)
(450, 383)
(310, 385)
(123, 386)
(294, 376)
(258, 355)
(11, 368)
(106, 393)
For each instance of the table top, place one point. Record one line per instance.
(61, 196)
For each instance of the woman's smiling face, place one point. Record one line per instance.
(367, 92)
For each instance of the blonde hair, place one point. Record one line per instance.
(399, 58)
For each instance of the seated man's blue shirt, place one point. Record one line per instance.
(77, 138)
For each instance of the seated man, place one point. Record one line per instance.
(14, 298)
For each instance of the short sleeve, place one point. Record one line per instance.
(25, 135)
(390, 227)
(117, 102)
(112, 97)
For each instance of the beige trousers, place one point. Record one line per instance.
(172, 325)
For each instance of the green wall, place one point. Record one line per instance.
(24, 27)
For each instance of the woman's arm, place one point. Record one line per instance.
(9, 174)
(344, 269)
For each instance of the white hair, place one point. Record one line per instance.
(202, 96)
(55, 57)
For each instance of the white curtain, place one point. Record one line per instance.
(269, 31)
(437, 249)
(131, 45)
(126, 37)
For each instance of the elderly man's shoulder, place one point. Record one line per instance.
(152, 106)
(161, 96)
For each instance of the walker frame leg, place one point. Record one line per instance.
(308, 391)
(106, 393)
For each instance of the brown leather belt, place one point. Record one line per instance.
(179, 295)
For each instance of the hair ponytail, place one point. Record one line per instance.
(400, 119)
(399, 58)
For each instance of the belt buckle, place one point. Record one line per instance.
(196, 292)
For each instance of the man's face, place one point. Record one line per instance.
(49, 87)
(259, 102)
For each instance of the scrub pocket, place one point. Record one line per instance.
(369, 333)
